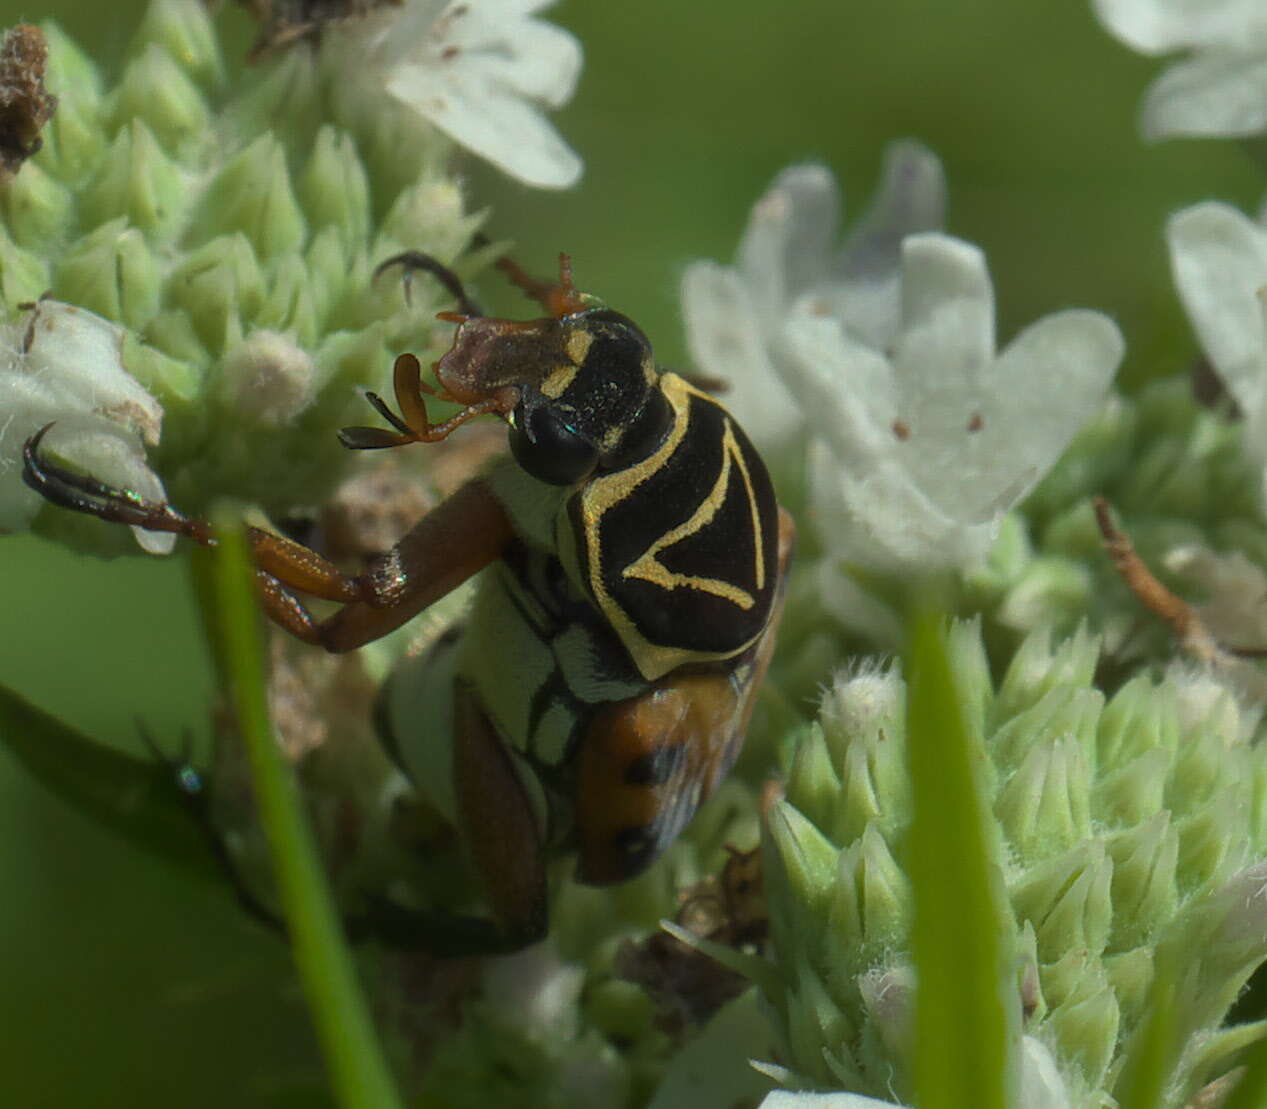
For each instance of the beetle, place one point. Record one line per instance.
(632, 558)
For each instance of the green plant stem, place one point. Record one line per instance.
(962, 1015)
(353, 1055)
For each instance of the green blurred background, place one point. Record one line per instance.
(126, 983)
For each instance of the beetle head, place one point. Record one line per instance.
(578, 389)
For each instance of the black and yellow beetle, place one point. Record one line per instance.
(632, 557)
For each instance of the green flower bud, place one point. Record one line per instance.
(817, 1026)
(1036, 668)
(37, 209)
(1051, 592)
(1208, 842)
(1045, 807)
(139, 181)
(289, 306)
(869, 910)
(23, 274)
(252, 196)
(1131, 976)
(1063, 711)
(888, 999)
(1008, 557)
(812, 785)
(74, 137)
(1133, 792)
(113, 272)
(172, 381)
(218, 285)
(1067, 898)
(159, 92)
(800, 872)
(1084, 1030)
(334, 190)
(1144, 889)
(1136, 721)
(186, 33)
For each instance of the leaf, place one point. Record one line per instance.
(965, 1001)
(138, 800)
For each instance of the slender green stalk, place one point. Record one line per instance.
(962, 1018)
(357, 1068)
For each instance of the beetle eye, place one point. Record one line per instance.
(550, 448)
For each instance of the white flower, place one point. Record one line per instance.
(920, 435)
(921, 446)
(476, 69)
(1221, 88)
(1219, 260)
(734, 315)
(64, 365)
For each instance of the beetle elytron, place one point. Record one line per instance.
(633, 558)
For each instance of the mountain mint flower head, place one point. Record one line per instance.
(1129, 837)
(1221, 87)
(202, 246)
(921, 435)
(476, 69)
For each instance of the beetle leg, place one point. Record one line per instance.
(410, 261)
(450, 544)
(559, 298)
(86, 494)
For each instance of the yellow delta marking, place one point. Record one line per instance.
(648, 566)
(652, 660)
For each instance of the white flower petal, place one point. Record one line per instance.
(1221, 92)
(724, 340)
(947, 341)
(537, 59)
(79, 357)
(1159, 26)
(1048, 383)
(786, 246)
(1219, 261)
(911, 198)
(477, 69)
(883, 521)
(844, 388)
(504, 129)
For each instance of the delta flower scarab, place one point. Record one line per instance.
(632, 559)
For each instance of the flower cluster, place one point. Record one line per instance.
(209, 242)
(1129, 838)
